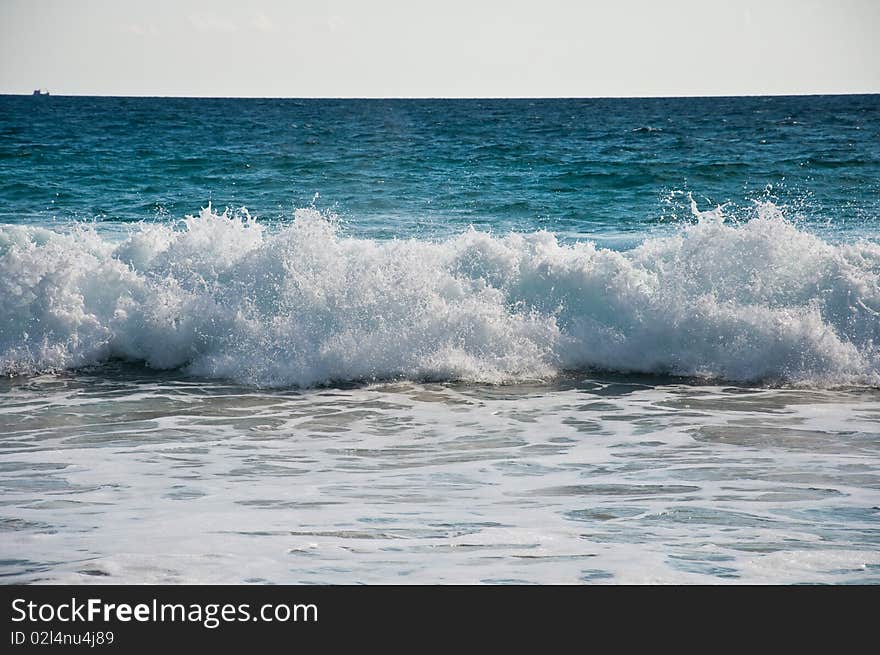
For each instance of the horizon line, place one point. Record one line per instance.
(426, 97)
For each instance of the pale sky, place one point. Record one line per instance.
(444, 48)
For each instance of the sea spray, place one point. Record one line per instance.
(220, 296)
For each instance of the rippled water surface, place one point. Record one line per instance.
(139, 477)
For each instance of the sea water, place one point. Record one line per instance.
(338, 341)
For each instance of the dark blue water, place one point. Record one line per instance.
(427, 167)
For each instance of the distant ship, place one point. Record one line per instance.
(41, 92)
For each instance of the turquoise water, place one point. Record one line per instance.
(336, 341)
(434, 167)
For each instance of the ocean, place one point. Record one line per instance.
(440, 341)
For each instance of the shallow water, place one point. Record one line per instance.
(139, 477)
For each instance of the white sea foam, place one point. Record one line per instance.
(223, 297)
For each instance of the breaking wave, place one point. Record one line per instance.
(224, 297)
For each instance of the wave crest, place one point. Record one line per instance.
(223, 297)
